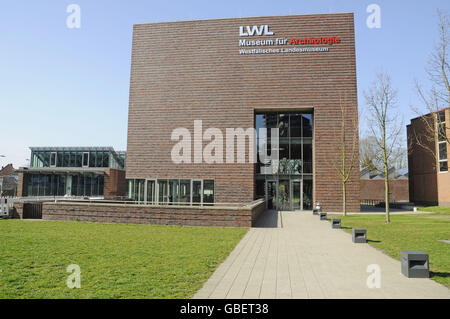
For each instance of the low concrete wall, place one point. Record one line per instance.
(161, 215)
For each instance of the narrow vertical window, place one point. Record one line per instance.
(85, 159)
(197, 192)
(208, 192)
(442, 142)
(185, 192)
(53, 159)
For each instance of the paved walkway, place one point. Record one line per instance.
(296, 255)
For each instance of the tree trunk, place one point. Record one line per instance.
(344, 199)
(386, 187)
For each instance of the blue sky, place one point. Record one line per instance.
(69, 87)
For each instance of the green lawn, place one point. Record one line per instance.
(116, 260)
(436, 209)
(409, 232)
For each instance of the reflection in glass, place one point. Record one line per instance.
(307, 194)
(151, 192)
(185, 191)
(296, 194)
(196, 192)
(131, 188)
(173, 191)
(208, 192)
(284, 195)
(163, 197)
(271, 194)
(307, 125)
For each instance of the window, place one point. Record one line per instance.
(442, 142)
(131, 188)
(66, 159)
(185, 191)
(53, 159)
(78, 159)
(92, 158)
(85, 159)
(59, 159)
(208, 192)
(162, 192)
(87, 185)
(173, 191)
(105, 159)
(101, 184)
(151, 191)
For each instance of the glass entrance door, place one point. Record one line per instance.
(292, 193)
(284, 195)
(296, 195)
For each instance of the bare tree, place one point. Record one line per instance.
(384, 124)
(438, 96)
(346, 149)
(370, 157)
(369, 154)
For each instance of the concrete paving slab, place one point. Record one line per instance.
(296, 255)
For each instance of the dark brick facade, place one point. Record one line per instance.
(159, 215)
(426, 184)
(192, 70)
(374, 190)
(22, 182)
(115, 184)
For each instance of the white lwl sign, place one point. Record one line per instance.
(254, 30)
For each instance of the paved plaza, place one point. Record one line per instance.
(296, 255)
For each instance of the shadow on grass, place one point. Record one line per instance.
(373, 241)
(439, 274)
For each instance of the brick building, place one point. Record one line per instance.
(283, 72)
(429, 179)
(373, 189)
(8, 181)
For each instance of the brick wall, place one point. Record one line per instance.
(374, 190)
(115, 184)
(160, 215)
(192, 70)
(426, 184)
(22, 182)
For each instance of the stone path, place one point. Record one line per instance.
(295, 255)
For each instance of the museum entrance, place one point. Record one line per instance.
(284, 171)
(289, 194)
